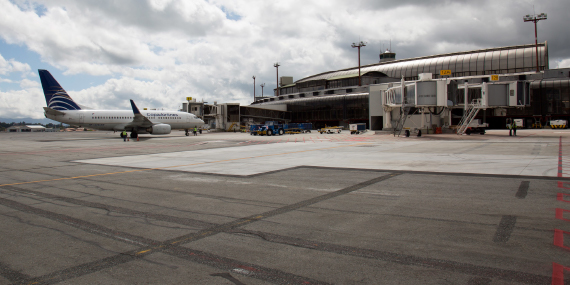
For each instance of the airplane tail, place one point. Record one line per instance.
(56, 97)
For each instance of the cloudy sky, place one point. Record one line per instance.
(158, 52)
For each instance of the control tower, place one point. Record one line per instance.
(386, 56)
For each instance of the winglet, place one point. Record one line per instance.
(135, 109)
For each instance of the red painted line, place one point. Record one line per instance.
(562, 185)
(560, 197)
(560, 214)
(559, 238)
(560, 157)
(558, 273)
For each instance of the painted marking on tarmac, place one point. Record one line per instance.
(560, 214)
(142, 252)
(560, 157)
(173, 166)
(558, 269)
(558, 273)
(559, 238)
(560, 197)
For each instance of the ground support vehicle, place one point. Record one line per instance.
(270, 128)
(295, 128)
(476, 127)
(559, 124)
(357, 128)
(254, 129)
(274, 128)
(330, 130)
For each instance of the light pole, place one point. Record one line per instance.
(359, 45)
(276, 65)
(262, 85)
(253, 87)
(535, 18)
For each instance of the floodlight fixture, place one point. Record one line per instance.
(359, 45)
(535, 18)
(253, 87)
(276, 65)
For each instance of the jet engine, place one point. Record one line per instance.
(159, 129)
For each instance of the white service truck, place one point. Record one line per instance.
(476, 127)
(558, 124)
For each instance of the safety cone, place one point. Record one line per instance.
(127, 139)
(137, 138)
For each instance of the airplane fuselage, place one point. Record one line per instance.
(118, 120)
(62, 108)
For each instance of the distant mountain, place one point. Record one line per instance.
(44, 121)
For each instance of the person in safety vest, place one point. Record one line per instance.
(514, 127)
(125, 136)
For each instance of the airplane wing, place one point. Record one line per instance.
(139, 120)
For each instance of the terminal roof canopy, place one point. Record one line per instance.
(502, 60)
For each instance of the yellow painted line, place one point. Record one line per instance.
(144, 251)
(175, 166)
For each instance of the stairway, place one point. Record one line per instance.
(402, 120)
(468, 116)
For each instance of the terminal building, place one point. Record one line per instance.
(335, 98)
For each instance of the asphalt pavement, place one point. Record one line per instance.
(231, 208)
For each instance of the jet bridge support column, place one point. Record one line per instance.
(466, 96)
(387, 118)
(422, 124)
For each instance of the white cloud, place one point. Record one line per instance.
(565, 63)
(158, 52)
(12, 66)
(21, 103)
(29, 84)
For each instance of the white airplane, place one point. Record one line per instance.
(61, 108)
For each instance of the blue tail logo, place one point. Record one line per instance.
(56, 97)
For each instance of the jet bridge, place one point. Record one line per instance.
(419, 96)
(489, 96)
(436, 98)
